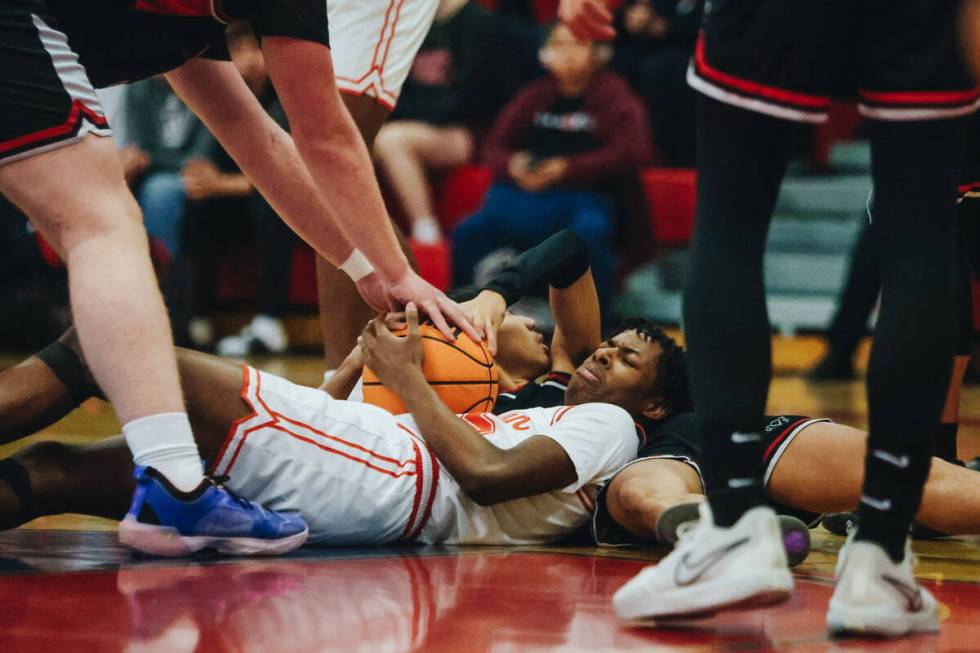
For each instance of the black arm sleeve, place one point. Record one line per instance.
(560, 261)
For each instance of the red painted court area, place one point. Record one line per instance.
(78, 591)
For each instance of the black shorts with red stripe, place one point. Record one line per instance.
(54, 53)
(677, 440)
(787, 58)
(46, 99)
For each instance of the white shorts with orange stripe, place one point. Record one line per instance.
(374, 42)
(350, 470)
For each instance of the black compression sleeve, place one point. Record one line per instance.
(560, 261)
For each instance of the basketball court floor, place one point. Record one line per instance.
(66, 585)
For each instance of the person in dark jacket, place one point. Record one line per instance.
(555, 150)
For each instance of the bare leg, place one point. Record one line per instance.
(32, 397)
(639, 494)
(822, 470)
(96, 479)
(407, 151)
(342, 311)
(77, 197)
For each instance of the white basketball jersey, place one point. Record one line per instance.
(598, 438)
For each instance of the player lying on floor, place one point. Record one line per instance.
(639, 369)
(356, 474)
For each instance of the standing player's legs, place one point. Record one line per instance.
(49, 478)
(915, 167)
(342, 311)
(373, 44)
(757, 69)
(735, 554)
(78, 199)
(407, 151)
(741, 159)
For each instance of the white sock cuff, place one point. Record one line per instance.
(176, 421)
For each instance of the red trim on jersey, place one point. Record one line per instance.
(324, 447)
(559, 414)
(968, 188)
(921, 97)
(77, 112)
(749, 87)
(771, 449)
(243, 393)
(394, 27)
(642, 432)
(397, 463)
(419, 488)
(427, 513)
(381, 36)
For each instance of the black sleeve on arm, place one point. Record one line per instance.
(560, 261)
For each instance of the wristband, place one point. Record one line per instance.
(357, 266)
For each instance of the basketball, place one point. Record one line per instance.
(463, 374)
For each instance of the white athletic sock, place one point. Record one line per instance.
(427, 231)
(165, 443)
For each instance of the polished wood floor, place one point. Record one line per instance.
(65, 583)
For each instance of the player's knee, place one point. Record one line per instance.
(393, 140)
(119, 225)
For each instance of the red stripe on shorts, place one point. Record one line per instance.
(77, 112)
(782, 436)
(921, 97)
(775, 93)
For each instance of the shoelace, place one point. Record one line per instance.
(219, 482)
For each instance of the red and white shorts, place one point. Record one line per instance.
(351, 470)
(373, 43)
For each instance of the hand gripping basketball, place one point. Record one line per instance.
(392, 358)
(462, 372)
(436, 306)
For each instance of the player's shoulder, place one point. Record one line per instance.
(608, 415)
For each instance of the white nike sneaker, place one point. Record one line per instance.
(711, 569)
(875, 596)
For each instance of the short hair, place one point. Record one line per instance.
(672, 382)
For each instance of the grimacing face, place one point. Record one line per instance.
(521, 350)
(621, 372)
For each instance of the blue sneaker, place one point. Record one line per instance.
(164, 521)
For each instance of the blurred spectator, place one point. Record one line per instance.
(431, 128)
(654, 43)
(555, 150)
(223, 205)
(162, 135)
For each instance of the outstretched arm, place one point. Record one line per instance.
(337, 158)
(486, 473)
(262, 149)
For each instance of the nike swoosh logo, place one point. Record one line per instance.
(742, 438)
(688, 571)
(878, 504)
(913, 597)
(901, 462)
